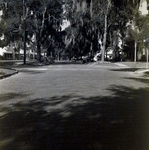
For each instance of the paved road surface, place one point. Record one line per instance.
(68, 106)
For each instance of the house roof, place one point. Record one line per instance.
(2, 50)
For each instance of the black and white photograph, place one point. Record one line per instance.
(74, 74)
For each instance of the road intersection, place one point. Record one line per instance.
(74, 106)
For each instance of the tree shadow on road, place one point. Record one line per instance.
(126, 69)
(140, 79)
(118, 122)
(7, 96)
(34, 72)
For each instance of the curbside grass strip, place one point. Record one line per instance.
(7, 73)
(142, 71)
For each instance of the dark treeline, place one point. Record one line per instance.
(94, 26)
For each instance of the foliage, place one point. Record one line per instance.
(88, 32)
(42, 18)
(87, 18)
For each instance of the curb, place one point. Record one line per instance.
(14, 71)
(142, 71)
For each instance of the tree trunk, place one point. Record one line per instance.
(91, 13)
(147, 58)
(91, 47)
(91, 9)
(13, 54)
(38, 48)
(39, 35)
(19, 51)
(135, 54)
(24, 32)
(104, 39)
(24, 48)
(105, 30)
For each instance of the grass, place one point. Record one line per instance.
(2, 72)
(146, 74)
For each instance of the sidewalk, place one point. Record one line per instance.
(139, 65)
(142, 67)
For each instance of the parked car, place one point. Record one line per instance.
(110, 54)
(97, 57)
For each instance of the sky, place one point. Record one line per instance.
(2, 50)
(143, 8)
(66, 23)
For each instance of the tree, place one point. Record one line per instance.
(116, 7)
(48, 18)
(145, 35)
(135, 30)
(39, 17)
(13, 19)
(81, 34)
(90, 21)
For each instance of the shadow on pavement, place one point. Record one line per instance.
(31, 71)
(66, 62)
(140, 79)
(119, 122)
(7, 96)
(125, 69)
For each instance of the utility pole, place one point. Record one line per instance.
(24, 32)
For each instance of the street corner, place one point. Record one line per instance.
(4, 73)
(142, 72)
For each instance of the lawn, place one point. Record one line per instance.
(2, 72)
